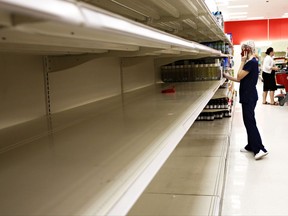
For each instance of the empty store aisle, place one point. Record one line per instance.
(258, 187)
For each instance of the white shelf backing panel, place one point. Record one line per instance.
(22, 133)
(99, 163)
(83, 23)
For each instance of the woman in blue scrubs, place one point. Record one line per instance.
(248, 76)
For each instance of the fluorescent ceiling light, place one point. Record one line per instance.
(255, 18)
(237, 6)
(225, 1)
(237, 17)
(238, 13)
(222, 4)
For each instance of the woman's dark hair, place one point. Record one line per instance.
(269, 50)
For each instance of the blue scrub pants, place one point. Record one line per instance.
(254, 138)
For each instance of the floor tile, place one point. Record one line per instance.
(258, 188)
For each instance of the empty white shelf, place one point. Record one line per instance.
(83, 28)
(191, 181)
(98, 159)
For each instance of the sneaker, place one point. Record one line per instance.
(260, 154)
(244, 150)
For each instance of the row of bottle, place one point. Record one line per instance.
(221, 103)
(210, 116)
(205, 62)
(189, 73)
(221, 46)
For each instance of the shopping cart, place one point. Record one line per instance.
(282, 79)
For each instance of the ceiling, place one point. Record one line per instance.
(253, 10)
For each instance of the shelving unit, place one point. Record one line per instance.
(85, 28)
(84, 126)
(191, 182)
(108, 172)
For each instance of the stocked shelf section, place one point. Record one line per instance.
(220, 105)
(86, 27)
(192, 70)
(64, 172)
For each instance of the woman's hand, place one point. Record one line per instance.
(226, 75)
(275, 68)
(229, 77)
(244, 57)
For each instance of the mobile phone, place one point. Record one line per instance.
(245, 49)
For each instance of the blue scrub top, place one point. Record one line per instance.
(248, 91)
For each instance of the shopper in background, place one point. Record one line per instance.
(248, 76)
(268, 75)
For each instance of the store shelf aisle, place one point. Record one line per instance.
(191, 180)
(256, 188)
(97, 159)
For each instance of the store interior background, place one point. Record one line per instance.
(264, 21)
(24, 84)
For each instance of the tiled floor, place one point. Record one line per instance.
(258, 188)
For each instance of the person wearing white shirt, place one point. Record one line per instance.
(268, 75)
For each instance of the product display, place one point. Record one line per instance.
(221, 46)
(86, 78)
(220, 105)
(187, 71)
